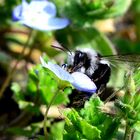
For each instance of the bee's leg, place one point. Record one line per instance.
(64, 66)
(114, 93)
(101, 90)
(78, 99)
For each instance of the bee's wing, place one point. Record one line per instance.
(121, 66)
(126, 59)
(134, 58)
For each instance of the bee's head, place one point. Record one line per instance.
(80, 60)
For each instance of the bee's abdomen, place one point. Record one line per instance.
(101, 75)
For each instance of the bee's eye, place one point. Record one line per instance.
(80, 55)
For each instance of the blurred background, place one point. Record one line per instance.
(109, 26)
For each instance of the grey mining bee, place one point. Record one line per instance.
(96, 67)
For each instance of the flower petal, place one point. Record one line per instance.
(46, 24)
(39, 14)
(36, 9)
(39, 6)
(50, 9)
(20, 11)
(83, 83)
(16, 15)
(57, 70)
(58, 23)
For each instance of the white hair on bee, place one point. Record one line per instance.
(70, 58)
(103, 61)
(93, 56)
(91, 52)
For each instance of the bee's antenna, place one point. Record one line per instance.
(57, 45)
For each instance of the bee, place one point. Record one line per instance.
(92, 64)
(97, 67)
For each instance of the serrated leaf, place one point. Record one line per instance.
(93, 114)
(91, 111)
(87, 131)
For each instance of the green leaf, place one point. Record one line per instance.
(105, 123)
(48, 86)
(16, 87)
(32, 88)
(109, 127)
(72, 10)
(136, 136)
(136, 5)
(136, 101)
(57, 131)
(110, 9)
(127, 110)
(91, 111)
(19, 131)
(70, 131)
(5, 59)
(136, 126)
(86, 38)
(24, 104)
(18, 95)
(83, 12)
(29, 107)
(74, 135)
(61, 98)
(87, 131)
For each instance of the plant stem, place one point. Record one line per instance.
(127, 134)
(46, 114)
(11, 73)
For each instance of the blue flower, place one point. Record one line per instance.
(79, 80)
(39, 14)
